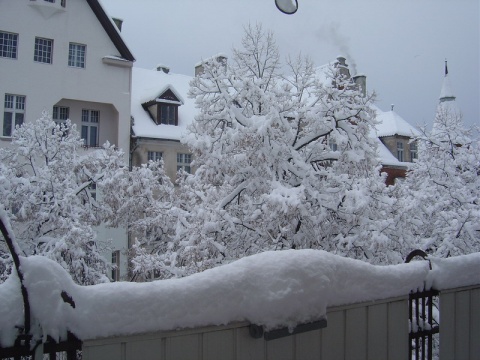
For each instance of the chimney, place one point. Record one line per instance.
(164, 68)
(361, 83)
(342, 66)
(118, 22)
(221, 58)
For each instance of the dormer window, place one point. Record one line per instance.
(63, 3)
(48, 8)
(164, 109)
(168, 114)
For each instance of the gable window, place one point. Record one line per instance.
(63, 3)
(90, 122)
(413, 151)
(14, 113)
(76, 55)
(43, 50)
(400, 151)
(183, 162)
(8, 45)
(154, 155)
(167, 114)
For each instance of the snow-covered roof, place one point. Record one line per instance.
(386, 157)
(390, 123)
(148, 85)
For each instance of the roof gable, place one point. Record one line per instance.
(169, 94)
(110, 29)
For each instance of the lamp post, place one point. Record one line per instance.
(288, 7)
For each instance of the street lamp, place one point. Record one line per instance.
(288, 7)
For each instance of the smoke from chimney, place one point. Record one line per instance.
(331, 34)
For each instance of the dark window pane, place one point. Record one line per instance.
(7, 124)
(93, 136)
(18, 119)
(85, 134)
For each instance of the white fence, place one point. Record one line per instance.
(375, 330)
(460, 323)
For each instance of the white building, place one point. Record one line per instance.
(68, 57)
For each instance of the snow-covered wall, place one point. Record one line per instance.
(272, 289)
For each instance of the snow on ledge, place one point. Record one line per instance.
(273, 289)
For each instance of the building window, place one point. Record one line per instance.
(332, 144)
(400, 151)
(50, 1)
(116, 265)
(413, 151)
(167, 114)
(90, 122)
(63, 3)
(154, 156)
(183, 162)
(8, 45)
(60, 114)
(14, 113)
(76, 55)
(43, 50)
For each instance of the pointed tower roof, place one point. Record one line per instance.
(448, 118)
(446, 94)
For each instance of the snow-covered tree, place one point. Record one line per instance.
(143, 200)
(283, 161)
(442, 190)
(55, 194)
(45, 188)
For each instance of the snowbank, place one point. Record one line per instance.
(273, 289)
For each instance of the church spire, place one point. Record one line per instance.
(448, 118)
(446, 94)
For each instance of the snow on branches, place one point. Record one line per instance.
(55, 194)
(442, 189)
(284, 161)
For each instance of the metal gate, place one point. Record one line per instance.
(423, 316)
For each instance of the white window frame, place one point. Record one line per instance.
(43, 52)
(400, 151)
(8, 45)
(413, 151)
(14, 108)
(90, 123)
(184, 161)
(77, 55)
(154, 155)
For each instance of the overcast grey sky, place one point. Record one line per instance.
(400, 45)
